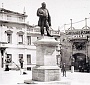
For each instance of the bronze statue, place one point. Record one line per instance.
(44, 19)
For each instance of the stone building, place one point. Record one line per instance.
(75, 46)
(17, 37)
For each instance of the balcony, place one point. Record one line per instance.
(12, 21)
(36, 30)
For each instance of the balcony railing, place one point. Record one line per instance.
(37, 30)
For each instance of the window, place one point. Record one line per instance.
(20, 39)
(29, 40)
(9, 38)
(21, 19)
(28, 59)
(8, 17)
(1, 15)
(9, 58)
(20, 55)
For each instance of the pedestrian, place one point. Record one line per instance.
(44, 19)
(64, 69)
(21, 62)
(7, 61)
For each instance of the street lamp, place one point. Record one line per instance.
(60, 48)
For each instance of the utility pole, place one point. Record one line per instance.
(72, 59)
(71, 24)
(86, 42)
(86, 23)
(72, 36)
(24, 12)
(87, 50)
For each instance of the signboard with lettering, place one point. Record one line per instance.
(77, 32)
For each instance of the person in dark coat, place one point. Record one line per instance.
(44, 19)
(64, 69)
(7, 61)
(21, 62)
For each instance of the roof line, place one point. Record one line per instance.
(8, 11)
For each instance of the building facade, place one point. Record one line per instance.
(17, 37)
(75, 46)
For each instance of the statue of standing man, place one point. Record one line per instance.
(44, 19)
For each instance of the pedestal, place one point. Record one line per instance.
(46, 68)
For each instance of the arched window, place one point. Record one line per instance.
(20, 37)
(9, 36)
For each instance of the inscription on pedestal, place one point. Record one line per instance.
(49, 51)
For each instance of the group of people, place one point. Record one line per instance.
(8, 61)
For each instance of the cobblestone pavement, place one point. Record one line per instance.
(13, 77)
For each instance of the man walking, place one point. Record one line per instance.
(64, 69)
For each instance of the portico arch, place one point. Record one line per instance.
(80, 58)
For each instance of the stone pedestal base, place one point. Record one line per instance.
(46, 68)
(46, 73)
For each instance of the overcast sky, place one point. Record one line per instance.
(61, 11)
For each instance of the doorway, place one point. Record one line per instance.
(80, 59)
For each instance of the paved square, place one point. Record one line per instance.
(13, 77)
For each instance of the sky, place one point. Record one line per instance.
(61, 11)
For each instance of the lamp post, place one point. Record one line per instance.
(60, 47)
(60, 56)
